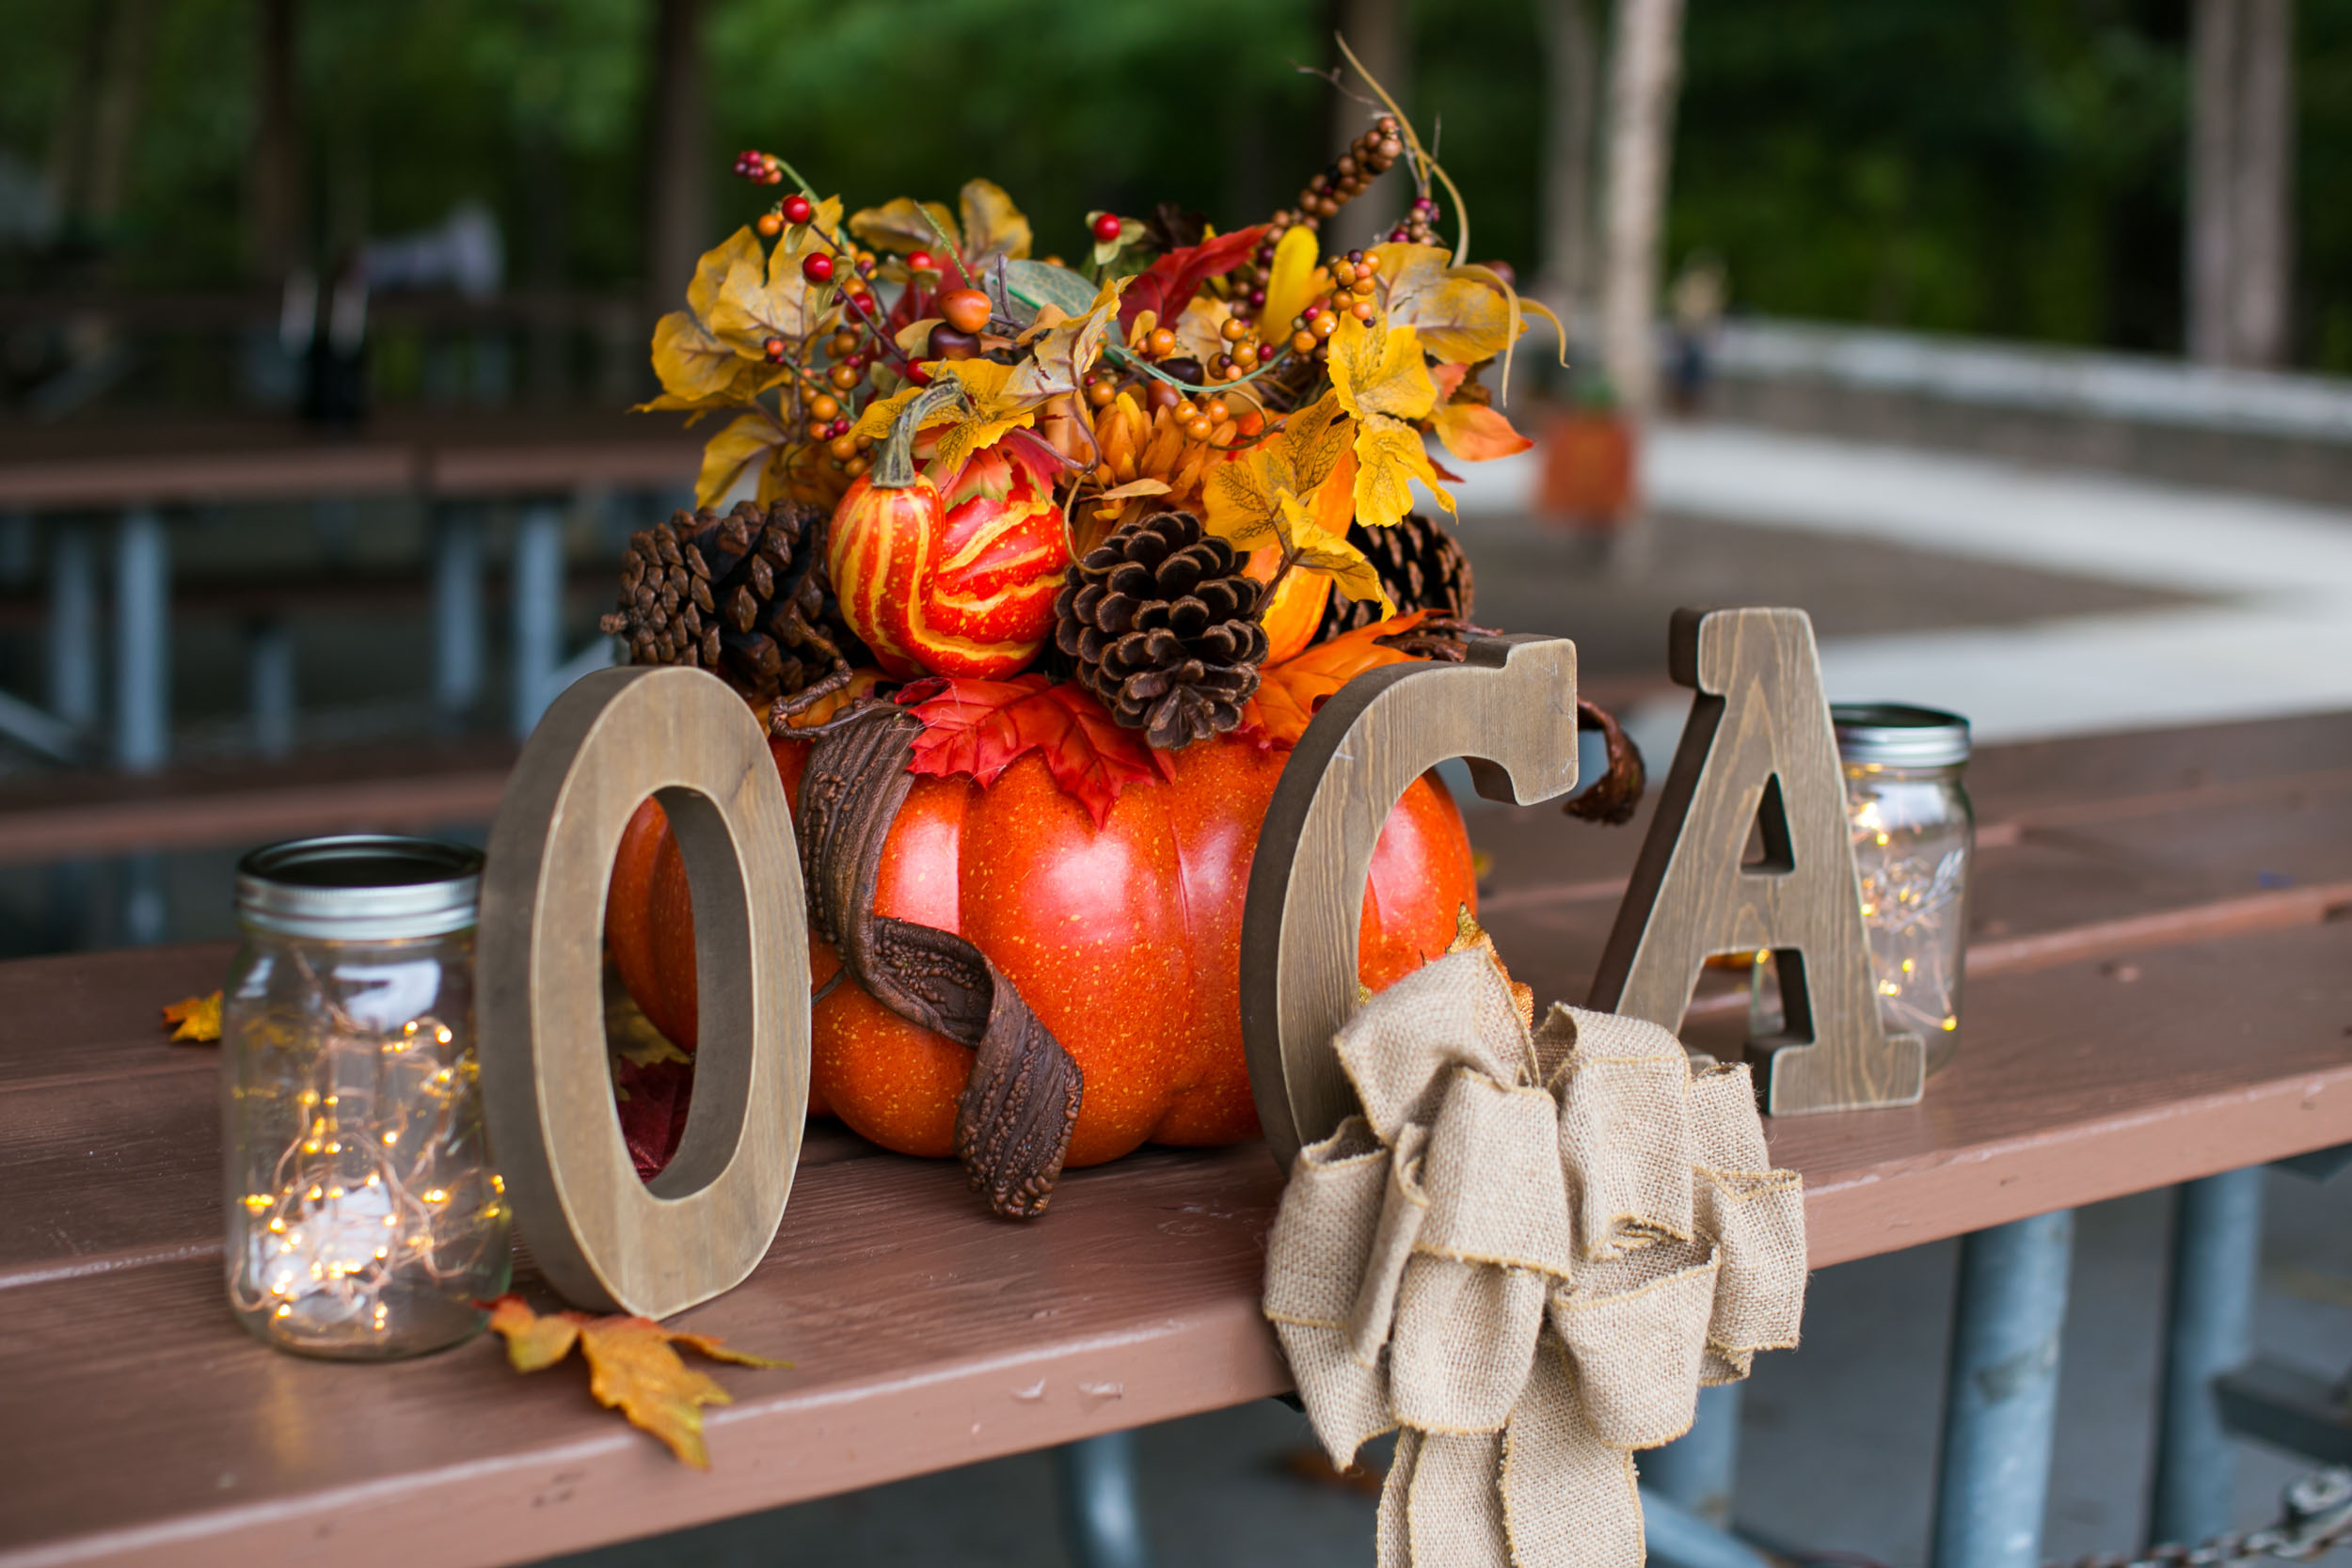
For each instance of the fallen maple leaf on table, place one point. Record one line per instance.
(631, 1367)
(195, 1019)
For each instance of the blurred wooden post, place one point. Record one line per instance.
(2241, 164)
(274, 200)
(1569, 78)
(1381, 33)
(1645, 66)
(678, 169)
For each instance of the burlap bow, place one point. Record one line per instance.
(1529, 1253)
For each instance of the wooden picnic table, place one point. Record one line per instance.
(2160, 990)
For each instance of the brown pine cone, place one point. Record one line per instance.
(1422, 566)
(744, 597)
(1162, 623)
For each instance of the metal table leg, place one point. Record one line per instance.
(72, 630)
(457, 617)
(142, 641)
(2216, 1249)
(538, 617)
(2000, 1405)
(1101, 1525)
(1677, 1538)
(1699, 1469)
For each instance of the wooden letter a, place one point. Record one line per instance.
(1758, 750)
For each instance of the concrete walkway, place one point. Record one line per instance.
(2273, 633)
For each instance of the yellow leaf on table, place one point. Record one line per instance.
(532, 1342)
(1289, 692)
(900, 226)
(1475, 433)
(633, 1368)
(1290, 286)
(732, 452)
(1378, 371)
(194, 1018)
(1389, 456)
(993, 226)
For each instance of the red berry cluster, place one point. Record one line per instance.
(1419, 226)
(760, 169)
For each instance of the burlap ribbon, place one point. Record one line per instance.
(1528, 1252)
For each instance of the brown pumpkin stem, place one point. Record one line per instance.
(1014, 1118)
(1617, 793)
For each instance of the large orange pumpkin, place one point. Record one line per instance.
(1125, 940)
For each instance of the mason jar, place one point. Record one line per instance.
(364, 1220)
(1913, 836)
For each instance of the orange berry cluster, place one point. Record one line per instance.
(1350, 175)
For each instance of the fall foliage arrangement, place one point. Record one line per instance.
(1048, 567)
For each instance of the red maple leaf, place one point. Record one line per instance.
(980, 728)
(1168, 284)
(652, 1106)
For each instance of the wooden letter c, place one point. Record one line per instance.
(1510, 709)
(605, 1239)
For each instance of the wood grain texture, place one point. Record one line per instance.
(1758, 753)
(1509, 708)
(606, 1239)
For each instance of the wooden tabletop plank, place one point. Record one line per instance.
(926, 1335)
(2147, 1013)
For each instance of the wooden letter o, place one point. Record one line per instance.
(605, 1239)
(1510, 709)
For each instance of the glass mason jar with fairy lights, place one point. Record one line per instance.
(364, 1220)
(1914, 835)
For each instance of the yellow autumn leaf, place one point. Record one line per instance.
(742, 247)
(1200, 329)
(900, 225)
(1245, 494)
(770, 298)
(1064, 351)
(1389, 456)
(1291, 281)
(1378, 370)
(633, 1367)
(993, 226)
(1314, 548)
(698, 370)
(194, 1018)
(1464, 314)
(731, 453)
(993, 408)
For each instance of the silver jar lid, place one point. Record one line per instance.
(1893, 734)
(360, 887)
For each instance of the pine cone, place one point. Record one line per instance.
(744, 597)
(1162, 622)
(1422, 566)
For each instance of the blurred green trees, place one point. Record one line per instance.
(2009, 167)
